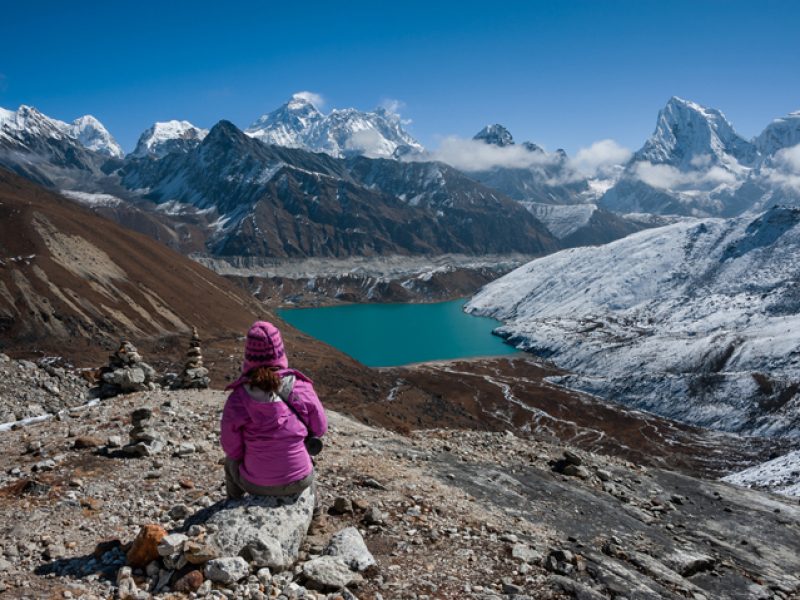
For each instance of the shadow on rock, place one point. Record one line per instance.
(105, 561)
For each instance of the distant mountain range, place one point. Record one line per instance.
(299, 182)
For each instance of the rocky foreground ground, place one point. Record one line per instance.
(444, 513)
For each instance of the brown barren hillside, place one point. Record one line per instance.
(68, 275)
(73, 283)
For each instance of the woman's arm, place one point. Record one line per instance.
(234, 417)
(311, 407)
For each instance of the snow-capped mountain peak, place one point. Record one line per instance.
(168, 136)
(287, 125)
(342, 132)
(29, 120)
(781, 133)
(689, 136)
(301, 101)
(93, 135)
(496, 135)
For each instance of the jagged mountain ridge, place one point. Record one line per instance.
(733, 176)
(689, 135)
(47, 150)
(698, 321)
(696, 164)
(278, 201)
(343, 132)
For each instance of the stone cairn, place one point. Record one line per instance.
(194, 374)
(144, 439)
(126, 373)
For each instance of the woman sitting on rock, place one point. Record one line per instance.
(263, 438)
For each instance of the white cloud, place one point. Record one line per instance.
(368, 142)
(701, 161)
(667, 177)
(787, 171)
(789, 158)
(393, 106)
(474, 155)
(599, 157)
(316, 99)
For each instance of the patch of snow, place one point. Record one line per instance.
(561, 219)
(91, 199)
(780, 475)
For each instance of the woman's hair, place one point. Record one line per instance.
(265, 378)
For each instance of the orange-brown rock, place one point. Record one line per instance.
(189, 582)
(145, 547)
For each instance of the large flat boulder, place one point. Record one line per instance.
(265, 530)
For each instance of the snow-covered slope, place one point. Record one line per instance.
(168, 136)
(781, 133)
(342, 132)
(781, 475)
(699, 320)
(560, 219)
(27, 120)
(93, 135)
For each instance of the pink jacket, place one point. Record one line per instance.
(266, 436)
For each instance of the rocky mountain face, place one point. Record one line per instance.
(276, 201)
(696, 164)
(705, 311)
(342, 132)
(495, 135)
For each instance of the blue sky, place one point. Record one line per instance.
(562, 74)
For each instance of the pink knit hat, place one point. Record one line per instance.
(264, 348)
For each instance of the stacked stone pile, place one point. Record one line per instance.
(194, 374)
(145, 440)
(126, 373)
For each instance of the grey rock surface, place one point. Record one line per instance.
(228, 569)
(348, 545)
(328, 572)
(268, 529)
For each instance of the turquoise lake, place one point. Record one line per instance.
(386, 335)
